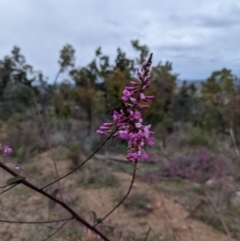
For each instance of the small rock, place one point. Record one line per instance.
(235, 200)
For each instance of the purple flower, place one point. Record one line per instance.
(5, 150)
(129, 120)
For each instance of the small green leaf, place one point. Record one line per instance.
(94, 217)
(15, 180)
(99, 220)
(50, 227)
(51, 203)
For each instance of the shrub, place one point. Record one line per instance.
(198, 137)
(97, 177)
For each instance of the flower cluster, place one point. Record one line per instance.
(5, 150)
(129, 120)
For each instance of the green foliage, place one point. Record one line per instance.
(198, 137)
(20, 96)
(137, 202)
(185, 102)
(21, 154)
(74, 153)
(97, 177)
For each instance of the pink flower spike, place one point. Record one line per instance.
(133, 83)
(144, 87)
(147, 79)
(150, 142)
(138, 125)
(150, 97)
(17, 167)
(137, 115)
(115, 115)
(134, 101)
(129, 88)
(104, 128)
(142, 96)
(5, 150)
(143, 106)
(139, 74)
(144, 155)
(107, 124)
(123, 134)
(100, 132)
(148, 83)
(126, 94)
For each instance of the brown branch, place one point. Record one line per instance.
(76, 168)
(50, 147)
(6, 185)
(120, 160)
(34, 222)
(216, 209)
(124, 198)
(146, 237)
(70, 219)
(9, 188)
(55, 199)
(196, 209)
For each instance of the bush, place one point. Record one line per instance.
(198, 137)
(74, 153)
(138, 202)
(97, 177)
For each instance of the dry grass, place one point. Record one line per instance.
(164, 215)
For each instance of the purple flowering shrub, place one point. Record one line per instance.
(5, 150)
(199, 166)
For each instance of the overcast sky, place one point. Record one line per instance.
(197, 36)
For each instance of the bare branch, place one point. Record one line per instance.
(9, 188)
(79, 166)
(124, 198)
(35, 222)
(219, 215)
(50, 147)
(196, 209)
(58, 229)
(146, 237)
(55, 199)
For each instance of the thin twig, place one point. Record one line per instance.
(34, 222)
(123, 199)
(6, 185)
(219, 215)
(146, 237)
(196, 209)
(55, 199)
(58, 229)
(234, 143)
(80, 165)
(50, 147)
(9, 188)
(168, 218)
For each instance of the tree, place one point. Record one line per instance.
(67, 59)
(185, 102)
(219, 93)
(163, 88)
(17, 82)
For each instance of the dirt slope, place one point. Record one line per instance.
(165, 217)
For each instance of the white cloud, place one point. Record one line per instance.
(198, 36)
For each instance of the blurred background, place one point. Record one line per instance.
(67, 62)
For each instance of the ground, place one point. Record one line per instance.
(147, 207)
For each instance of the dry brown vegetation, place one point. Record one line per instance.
(161, 206)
